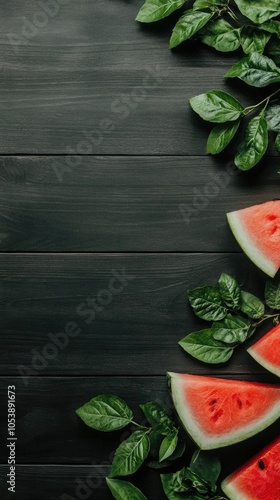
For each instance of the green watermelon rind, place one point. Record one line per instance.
(265, 340)
(206, 442)
(228, 484)
(248, 245)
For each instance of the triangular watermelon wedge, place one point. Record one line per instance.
(266, 351)
(257, 230)
(218, 412)
(258, 479)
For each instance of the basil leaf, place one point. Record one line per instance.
(105, 413)
(273, 50)
(258, 11)
(189, 24)
(131, 454)
(255, 144)
(272, 295)
(252, 305)
(272, 27)
(154, 10)
(154, 451)
(221, 35)
(206, 466)
(216, 106)
(168, 445)
(208, 4)
(122, 490)
(256, 70)
(253, 39)
(157, 417)
(220, 136)
(196, 481)
(230, 291)
(277, 144)
(231, 329)
(173, 485)
(207, 303)
(202, 346)
(272, 117)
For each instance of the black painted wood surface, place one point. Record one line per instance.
(103, 176)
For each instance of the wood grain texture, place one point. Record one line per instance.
(64, 74)
(120, 327)
(72, 483)
(125, 203)
(50, 432)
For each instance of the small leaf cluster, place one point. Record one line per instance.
(234, 315)
(158, 445)
(227, 26)
(195, 482)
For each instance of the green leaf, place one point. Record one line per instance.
(253, 39)
(258, 11)
(220, 136)
(216, 106)
(206, 466)
(272, 295)
(273, 50)
(131, 454)
(272, 27)
(277, 142)
(272, 117)
(154, 10)
(105, 413)
(168, 445)
(173, 485)
(157, 417)
(231, 329)
(230, 291)
(221, 35)
(197, 483)
(189, 24)
(155, 446)
(122, 490)
(208, 4)
(256, 70)
(207, 303)
(202, 346)
(252, 305)
(255, 144)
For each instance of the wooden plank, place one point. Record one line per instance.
(81, 75)
(72, 483)
(109, 314)
(125, 203)
(49, 432)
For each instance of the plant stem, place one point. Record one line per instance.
(140, 426)
(266, 100)
(267, 316)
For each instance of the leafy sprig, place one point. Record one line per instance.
(227, 26)
(235, 314)
(163, 442)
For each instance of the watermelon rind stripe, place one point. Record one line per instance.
(264, 362)
(233, 493)
(206, 442)
(248, 245)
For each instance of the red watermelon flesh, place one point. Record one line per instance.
(257, 230)
(218, 412)
(258, 479)
(266, 351)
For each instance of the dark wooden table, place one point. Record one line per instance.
(104, 175)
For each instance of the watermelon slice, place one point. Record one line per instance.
(258, 479)
(257, 230)
(266, 351)
(218, 412)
